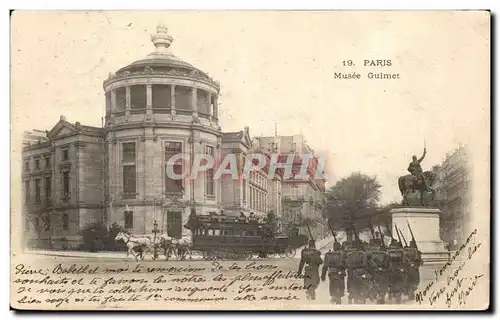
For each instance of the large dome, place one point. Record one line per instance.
(162, 61)
(161, 89)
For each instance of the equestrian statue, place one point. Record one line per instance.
(417, 180)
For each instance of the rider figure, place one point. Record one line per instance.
(416, 170)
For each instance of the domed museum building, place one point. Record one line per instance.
(157, 107)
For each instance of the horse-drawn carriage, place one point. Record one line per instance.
(236, 238)
(139, 246)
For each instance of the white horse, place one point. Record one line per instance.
(165, 242)
(132, 242)
(180, 247)
(183, 246)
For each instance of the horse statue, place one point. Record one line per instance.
(410, 183)
(140, 244)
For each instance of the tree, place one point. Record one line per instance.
(292, 214)
(383, 216)
(40, 223)
(352, 200)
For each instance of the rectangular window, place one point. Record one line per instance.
(27, 165)
(129, 219)
(37, 164)
(27, 191)
(65, 221)
(209, 174)
(65, 154)
(138, 97)
(65, 185)
(47, 162)
(128, 152)
(48, 188)
(37, 190)
(129, 169)
(172, 184)
(121, 98)
(161, 96)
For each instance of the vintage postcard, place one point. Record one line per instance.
(246, 160)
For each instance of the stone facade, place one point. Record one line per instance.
(63, 184)
(258, 193)
(453, 195)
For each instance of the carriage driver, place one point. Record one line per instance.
(416, 170)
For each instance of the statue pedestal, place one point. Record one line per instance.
(424, 223)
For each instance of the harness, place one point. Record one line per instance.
(128, 240)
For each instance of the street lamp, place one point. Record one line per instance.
(155, 231)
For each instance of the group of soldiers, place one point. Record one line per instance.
(369, 271)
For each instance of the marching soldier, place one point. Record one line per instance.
(379, 267)
(311, 258)
(358, 274)
(335, 265)
(397, 272)
(412, 265)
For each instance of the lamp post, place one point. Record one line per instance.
(155, 231)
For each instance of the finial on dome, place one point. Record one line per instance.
(162, 40)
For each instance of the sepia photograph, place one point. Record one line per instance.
(250, 160)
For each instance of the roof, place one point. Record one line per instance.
(61, 129)
(162, 57)
(159, 59)
(242, 136)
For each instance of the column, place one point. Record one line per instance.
(251, 197)
(261, 201)
(113, 100)
(265, 202)
(54, 174)
(172, 99)
(194, 100)
(127, 103)
(211, 111)
(113, 104)
(216, 108)
(145, 154)
(118, 170)
(149, 99)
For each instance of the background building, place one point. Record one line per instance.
(259, 193)
(302, 199)
(64, 184)
(453, 194)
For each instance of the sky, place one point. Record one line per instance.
(278, 67)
